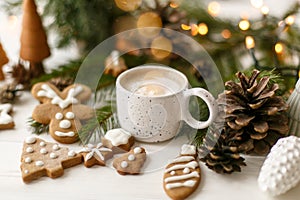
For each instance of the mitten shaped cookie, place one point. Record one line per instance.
(40, 158)
(118, 140)
(62, 110)
(182, 175)
(131, 162)
(6, 121)
(95, 155)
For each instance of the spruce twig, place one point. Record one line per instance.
(36, 127)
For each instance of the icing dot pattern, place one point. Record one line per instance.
(131, 157)
(124, 164)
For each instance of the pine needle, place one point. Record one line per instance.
(36, 127)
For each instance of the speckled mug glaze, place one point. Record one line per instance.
(157, 118)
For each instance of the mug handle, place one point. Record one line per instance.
(210, 102)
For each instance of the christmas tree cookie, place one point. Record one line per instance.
(182, 175)
(40, 158)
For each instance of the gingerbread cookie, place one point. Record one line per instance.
(118, 140)
(182, 175)
(40, 158)
(131, 162)
(95, 155)
(6, 121)
(62, 110)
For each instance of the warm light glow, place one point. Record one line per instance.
(194, 29)
(278, 48)
(264, 10)
(213, 8)
(226, 34)
(257, 3)
(250, 43)
(290, 20)
(128, 5)
(244, 25)
(185, 27)
(12, 21)
(149, 19)
(161, 47)
(174, 4)
(202, 29)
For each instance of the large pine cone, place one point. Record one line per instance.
(255, 118)
(218, 156)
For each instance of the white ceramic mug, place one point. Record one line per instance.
(153, 100)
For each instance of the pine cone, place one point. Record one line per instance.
(218, 156)
(253, 114)
(9, 93)
(61, 83)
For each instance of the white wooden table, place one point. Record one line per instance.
(99, 182)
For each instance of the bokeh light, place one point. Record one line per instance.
(161, 47)
(128, 5)
(149, 19)
(213, 8)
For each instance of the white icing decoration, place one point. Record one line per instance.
(194, 174)
(182, 159)
(30, 140)
(124, 164)
(55, 147)
(186, 170)
(53, 155)
(71, 153)
(59, 116)
(192, 165)
(26, 171)
(117, 136)
(65, 124)
(92, 151)
(172, 173)
(189, 183)
(62, 134)
(42, 144)
(39, 163)
(5, 118)
(28, 160)
(70, 115)
(131, 157)
(43, 151)
(137, 150)
(62, 103)
(187, 149)
(29, 149)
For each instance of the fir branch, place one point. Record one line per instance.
(95, 128)
(36, 127)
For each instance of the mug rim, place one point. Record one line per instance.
(151, 66)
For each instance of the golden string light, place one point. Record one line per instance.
(161, 47)
(279, 48)
(174, 4)
(149, 19)
(250, 43)
(128, 5)
(290, 20)
(226, 34)
(265, 10)
(213, 8)
(244, 24)
(202, 29)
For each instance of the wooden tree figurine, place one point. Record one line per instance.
(34, 46)
(3, 61)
